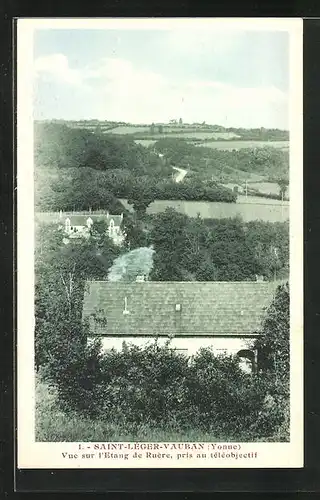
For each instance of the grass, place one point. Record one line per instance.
(233, 175)
(265, 187)
(229, 145)
(128, 129)
(251, 208)
(188, 135)
(52, 425)
(262, 186)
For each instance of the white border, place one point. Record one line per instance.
(49, 455)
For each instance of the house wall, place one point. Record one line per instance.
(114, 232)
(220, 345)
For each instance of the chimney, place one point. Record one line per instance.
(125, 310)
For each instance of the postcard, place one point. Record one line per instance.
(159, 249)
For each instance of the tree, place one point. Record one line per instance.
(168, 237)
(230, 252)
(135, 234)
(273, 348)
(283, 186)
(140, 198)
(273, 344)
(269, 243)
(61, 271)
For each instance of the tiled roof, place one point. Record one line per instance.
(76, 219)
(206, 308)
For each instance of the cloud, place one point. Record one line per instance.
(143, 96)
(119, 90)
(56, 67)
(122, 73)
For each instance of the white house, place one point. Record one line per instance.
(77, 224)
(225, 316)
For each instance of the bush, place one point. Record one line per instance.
(142, 385)
(224, 396)
(157, 387)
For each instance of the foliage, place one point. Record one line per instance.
(140, 198)
(273, 344)
(54, 425)
(223, 396)
(79, 169)
(223, 164)
(168, 238)
(136, 233)
(76, 169)
(283, 186)
(273, 347)
(156, 387)
(193, 189)
(217, 249)
(60, 271)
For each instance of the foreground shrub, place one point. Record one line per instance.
(143, 385)
(158, 388)
(221, 393)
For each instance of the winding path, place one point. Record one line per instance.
(181, 174)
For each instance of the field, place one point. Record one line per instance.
(145, 142)
(190, 131)
(260, 185)
(265, 187)
(128, 129)
(82, 125)
(251, 208)
(188, 135)
(229, 145)
(233, 175)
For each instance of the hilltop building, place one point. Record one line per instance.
(225, 316)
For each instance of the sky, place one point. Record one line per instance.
(233, 78)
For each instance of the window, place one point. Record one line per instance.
(178, 307)
(222, 352)
(246, 360)
(111, 228)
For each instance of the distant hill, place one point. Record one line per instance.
(189, 131)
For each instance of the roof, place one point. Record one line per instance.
(206, 308)
(76, 219)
